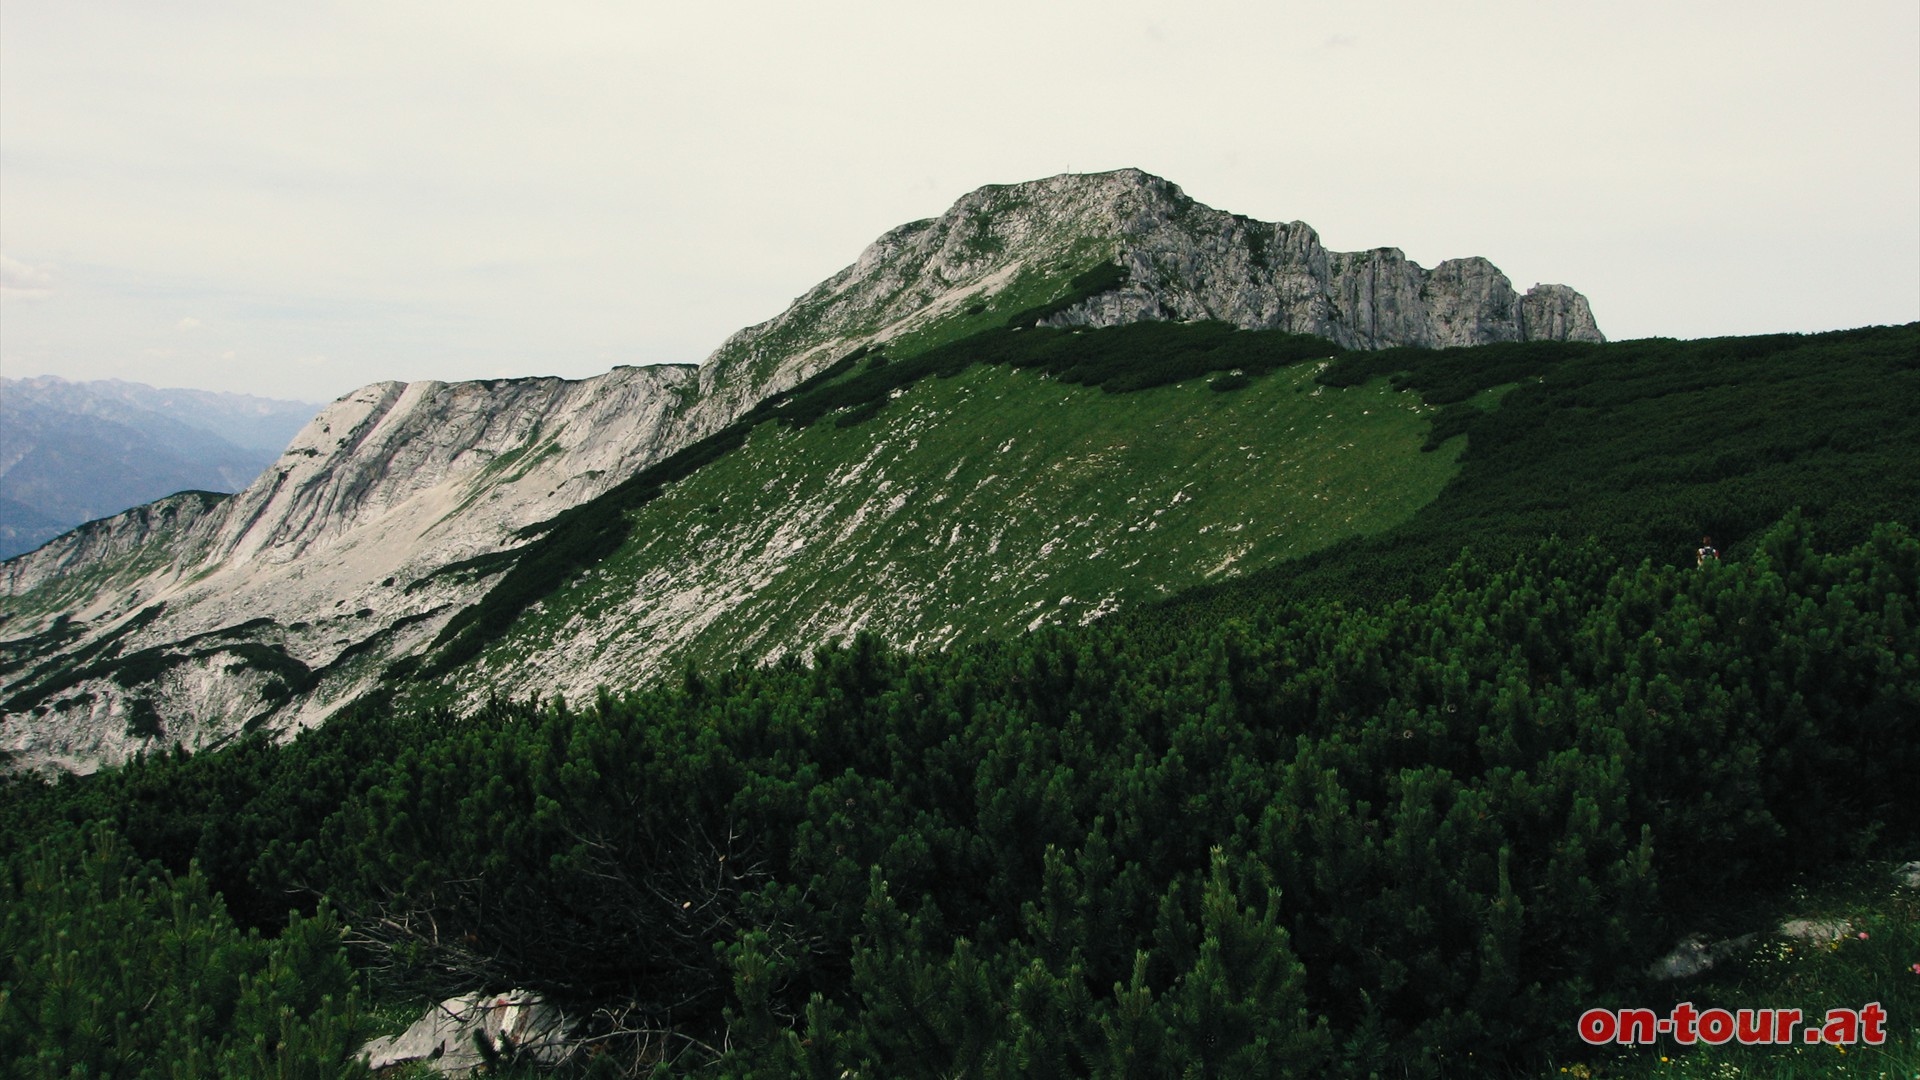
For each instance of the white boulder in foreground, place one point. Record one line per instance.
(518, 1025)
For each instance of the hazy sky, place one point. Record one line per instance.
(297, 199)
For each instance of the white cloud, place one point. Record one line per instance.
(187, 324)
(20, 281)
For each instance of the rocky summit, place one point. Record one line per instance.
(399, 508)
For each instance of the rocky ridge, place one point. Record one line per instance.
(348, 553)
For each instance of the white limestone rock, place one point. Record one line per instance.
(518, 1025)
(1815, 931)
(1695, 955)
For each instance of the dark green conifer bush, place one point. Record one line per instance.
(110, 968)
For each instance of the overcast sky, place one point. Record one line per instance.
(297, 199)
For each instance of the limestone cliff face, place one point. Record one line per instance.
(1188, 261)
(505, 452)
(348, 552)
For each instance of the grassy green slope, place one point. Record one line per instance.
(1000, 496)
(986, 503)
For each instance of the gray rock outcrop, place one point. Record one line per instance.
(518, 1026)
(1695, 955)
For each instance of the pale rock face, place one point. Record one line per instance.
(338, 542)
(519, 1022)
(1557, 313)
(1187, 261)
(377, 456)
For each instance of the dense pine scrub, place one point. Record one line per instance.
(1328, 838)
(1644, 445)
(109, 967)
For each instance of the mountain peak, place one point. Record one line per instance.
(387, 516)
(1003, 248)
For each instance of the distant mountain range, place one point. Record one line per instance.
(72, 452)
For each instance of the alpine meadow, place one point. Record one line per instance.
(1093, 634)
